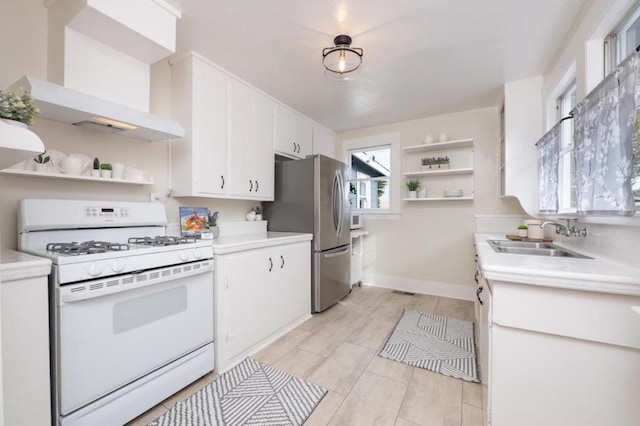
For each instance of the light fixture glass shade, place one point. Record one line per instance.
(342, 61)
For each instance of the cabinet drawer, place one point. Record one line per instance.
(597, 317)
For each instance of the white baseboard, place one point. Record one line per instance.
(413, 285)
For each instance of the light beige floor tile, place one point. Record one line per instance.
(342, 368)
(424, 303)
(317, 321)
(389, 311)
(299, 363)
(371, 296)
(374, 400)
(455, 308)
(400, 298)
(149, 416)
(402, 422)
(472, 394)
(325, 410)
(280, 347)
(432, 399)
(372, 333)
(471, 416)
(326, 339)
(189, 390)
(390, 369)
(354, 315)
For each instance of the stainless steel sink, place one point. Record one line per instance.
(521, 244)
(528, 248)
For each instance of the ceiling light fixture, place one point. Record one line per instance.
(342, 61)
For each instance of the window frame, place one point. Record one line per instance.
(392, 140)
(566, 177)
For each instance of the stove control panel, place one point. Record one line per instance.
(106, 212)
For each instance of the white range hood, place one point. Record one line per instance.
(59, 103)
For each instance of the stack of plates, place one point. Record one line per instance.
(453, 193)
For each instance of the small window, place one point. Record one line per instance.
(370, 178)
(567, 173)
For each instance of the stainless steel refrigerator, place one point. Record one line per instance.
(311, 195)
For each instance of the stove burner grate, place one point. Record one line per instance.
(160, 241)
(87, 247)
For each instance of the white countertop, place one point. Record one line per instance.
(598, 274)
(15, 265)
(234, 243)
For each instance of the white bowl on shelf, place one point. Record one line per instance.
(453, 193)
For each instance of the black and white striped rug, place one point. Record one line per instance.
(434, 342)
(251, 393)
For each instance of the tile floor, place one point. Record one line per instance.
(337, 350)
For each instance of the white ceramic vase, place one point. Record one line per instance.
(41, 167)
(413, 194)
(105, 174)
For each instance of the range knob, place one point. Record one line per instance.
(197, 254)
(118, 266)
(94, 269)
(184, 256)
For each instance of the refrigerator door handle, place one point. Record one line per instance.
(341, 203)
(335, 201)
(337, 253)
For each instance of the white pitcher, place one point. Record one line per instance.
(72, 165)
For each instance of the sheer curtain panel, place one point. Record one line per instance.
(603, 136)
(548, 158)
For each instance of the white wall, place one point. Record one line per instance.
(429, 247)
(28, 19)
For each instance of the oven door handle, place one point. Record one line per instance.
(93, 290)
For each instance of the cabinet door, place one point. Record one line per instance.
(293, 134)
(210, 144)
(241, 143)
(263, 165)
(247, 291)
(293, 284)
(199, 160)
(250, 143)
(324, 142)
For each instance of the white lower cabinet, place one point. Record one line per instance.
(560, 357)
(260, 294)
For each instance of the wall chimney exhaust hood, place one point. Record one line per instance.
(59, 103)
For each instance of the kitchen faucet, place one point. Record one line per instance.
(567, 230)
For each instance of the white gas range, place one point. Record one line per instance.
(131, 308)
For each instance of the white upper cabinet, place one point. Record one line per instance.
(227, 151)
(250, 133)
(199, 160)
(324, 142)
(293, 134)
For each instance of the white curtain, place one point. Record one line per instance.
(548, 158)
(603, 137)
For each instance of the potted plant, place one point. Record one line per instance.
(213, 224)
(105, 170)
(95, 172)
(16, 109)
(42, 162)
(413, 186)
(522, 231)
(258, 211)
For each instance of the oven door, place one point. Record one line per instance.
(113, 331)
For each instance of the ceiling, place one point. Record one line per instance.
(421, 57)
